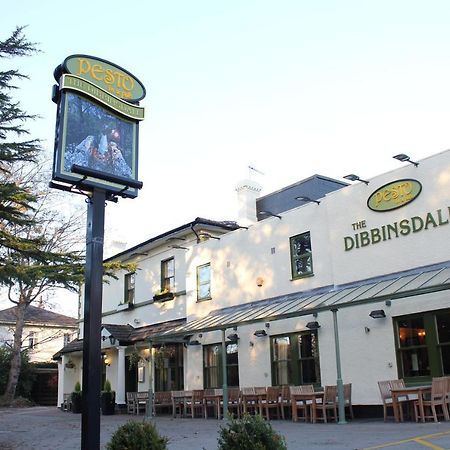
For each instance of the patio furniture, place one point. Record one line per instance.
(348, 399)
(250, 400)
(141, 402)
(285, 402)
(400, 394)
(302, 398)
(179, 401)
(438, 398)
(131, 402)
(234, 401)
(162, 401)
(195, 403)
(386, 398)
(212, 399)
(272, 401)
(329, 403)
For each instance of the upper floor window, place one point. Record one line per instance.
(31, 339)
(204, 282)
(129, 287)
(66, 338)
(168, 275)
(301, 255)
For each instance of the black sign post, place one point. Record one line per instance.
(90, 423)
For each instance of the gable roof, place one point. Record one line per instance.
(38, 316)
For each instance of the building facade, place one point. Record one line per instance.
(318, 276)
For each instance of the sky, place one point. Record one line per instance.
(290, 87)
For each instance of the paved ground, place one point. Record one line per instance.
(47, 428)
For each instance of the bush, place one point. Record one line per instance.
(26, 377)
(137, 436)
(250, 433)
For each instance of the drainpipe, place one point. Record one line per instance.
(150, 381)
(340, 385)
(224, 376)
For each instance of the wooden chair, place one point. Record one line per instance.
(249, 400)
(299, 405)
(131, 402)
(285, 402)
(386, 398)
(272, 401)
(141, 402)
(234, 401)
(162, 401)
(439, 392)
(329, 403)
(177, 403)
(403, 400)
(196, 402)
(348, 399)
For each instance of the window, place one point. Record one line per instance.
(204, 282)
(301, 255)
(169, 368)
(168, 275)
(66, 338)
(212, 365)
(31, 340)
(423, 345)
(295, 359)
(129, 287)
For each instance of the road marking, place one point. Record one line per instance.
(418, 439)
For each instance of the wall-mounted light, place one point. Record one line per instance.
(259, 281)
(313, 325)
(269, 213)
(112, 339)
(107, 361)
(353, 177)
(260, 333)
(388, 303)
(377, 314)
(194, 342)
(303, 198)
(405, 158)
(251, 344)
(233, 337)
(366, 330)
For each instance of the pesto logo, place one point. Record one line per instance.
(394, 195)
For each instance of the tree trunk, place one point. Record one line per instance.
(16, 359)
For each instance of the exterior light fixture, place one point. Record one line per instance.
(353, 177)
(303, 198)
(233, 337)
(194, 342)
(405, 158)
(107, 361)
(268, 213)
(377, 314)
(313, 325)
(112, 339)
(260, 333)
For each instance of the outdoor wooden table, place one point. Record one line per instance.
(402, 392)
(305, 397)
(213, 398)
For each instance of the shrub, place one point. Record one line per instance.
(107, 386)
(137, 436)
(250, 433)
(77, 387)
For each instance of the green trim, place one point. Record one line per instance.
(75, 83)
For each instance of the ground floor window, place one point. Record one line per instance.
(212, 365)
(169, 374)
(423, 345)
(295, 359)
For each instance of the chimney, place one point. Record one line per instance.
(247, 193)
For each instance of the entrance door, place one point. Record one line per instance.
(131, 376)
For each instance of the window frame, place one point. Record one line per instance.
(306, 254)
(206, 283)
(165, 277)
(231, 366)
(129, 288)
(294, 359)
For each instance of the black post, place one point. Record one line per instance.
(90, 421)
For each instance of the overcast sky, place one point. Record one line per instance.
(290, 87)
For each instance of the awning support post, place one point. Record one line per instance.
(224, 376)
(150, 381)
(340, 385)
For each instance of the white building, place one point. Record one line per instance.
(316, 267)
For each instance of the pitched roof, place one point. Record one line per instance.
(41, 316)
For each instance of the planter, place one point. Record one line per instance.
(76, 402)
(108, 403)
(164, 297)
